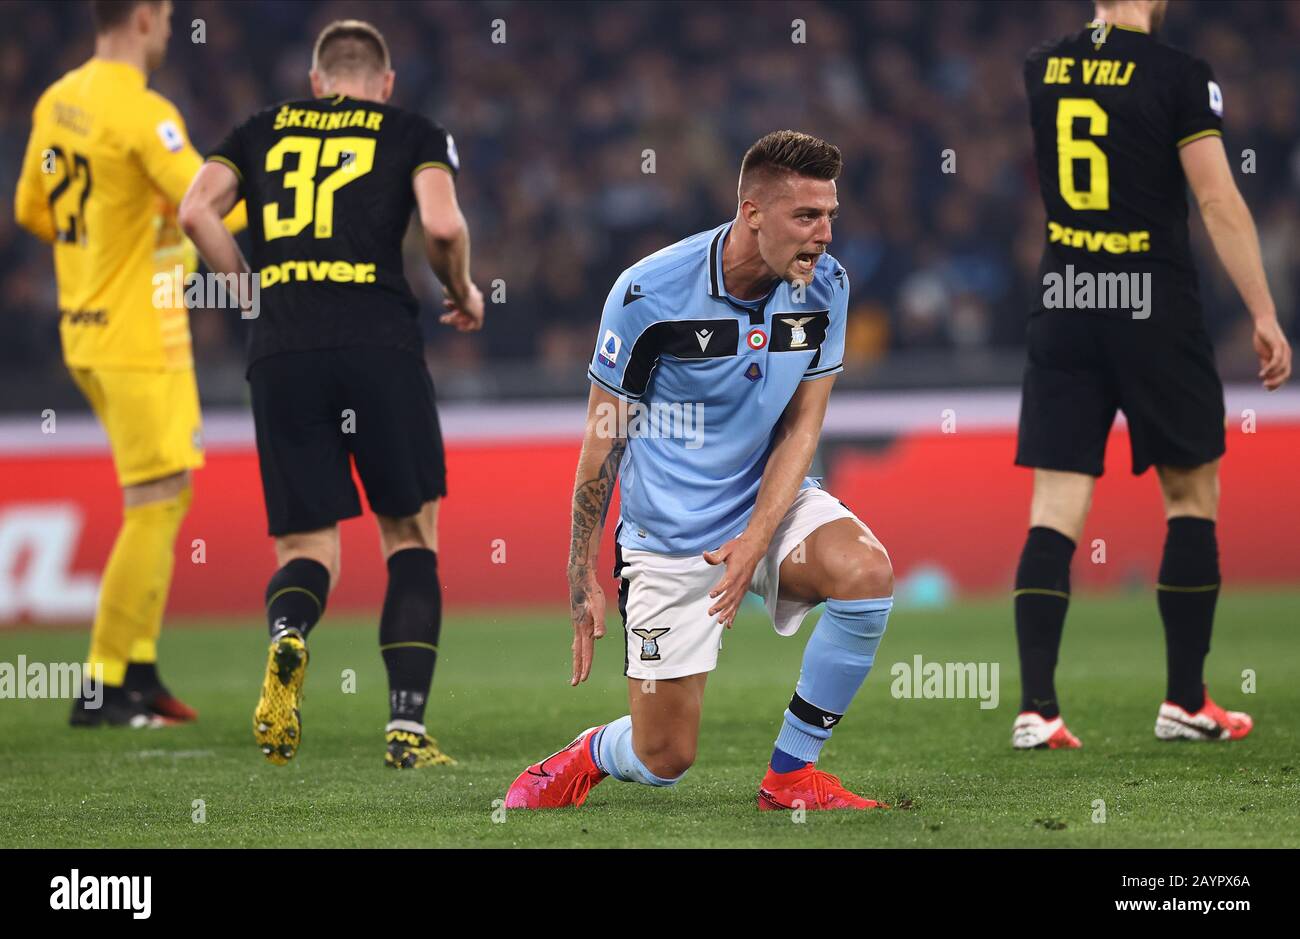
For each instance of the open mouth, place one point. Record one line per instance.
(806, 261)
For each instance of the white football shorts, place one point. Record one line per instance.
(665, 599)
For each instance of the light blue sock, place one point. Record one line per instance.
(836, 662)
(613, 753)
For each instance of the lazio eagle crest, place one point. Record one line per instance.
(650, 642)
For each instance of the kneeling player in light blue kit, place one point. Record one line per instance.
(713, 365)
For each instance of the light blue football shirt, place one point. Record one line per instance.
(705, 378)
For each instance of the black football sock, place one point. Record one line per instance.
(1186, 594)
(110, 696)
(1042, 596)
(409, 628)
(296, 595)
(142, 676)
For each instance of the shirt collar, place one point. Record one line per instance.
(717, 283)
(123, 70)
(754, 309)
(716, 288)
(1109, 26)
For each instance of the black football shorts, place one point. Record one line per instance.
(317, 412)
(1083, 367)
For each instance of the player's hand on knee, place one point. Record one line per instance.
(1274, 353)
(588, 612)
(741, 558)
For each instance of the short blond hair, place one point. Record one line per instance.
(350, 47)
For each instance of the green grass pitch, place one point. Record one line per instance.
(501, 700)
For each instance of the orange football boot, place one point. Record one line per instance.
(1031, 731)
(562, 779)
(808, 788)
(169, 707)
(1211, 722)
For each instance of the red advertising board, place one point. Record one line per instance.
(948, 504)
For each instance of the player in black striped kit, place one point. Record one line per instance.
(1122, 124)
(336, 359)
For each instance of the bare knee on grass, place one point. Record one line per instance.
(666, 722)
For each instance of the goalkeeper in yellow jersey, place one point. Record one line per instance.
(106, 165)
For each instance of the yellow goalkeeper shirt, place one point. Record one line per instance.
(105, 168)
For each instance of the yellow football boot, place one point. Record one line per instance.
(407, 750)
(277, 722)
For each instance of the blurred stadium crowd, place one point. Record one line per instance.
(553, 126)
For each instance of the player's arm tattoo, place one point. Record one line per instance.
(590, 506)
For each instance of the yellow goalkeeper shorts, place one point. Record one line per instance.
(151, 417)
